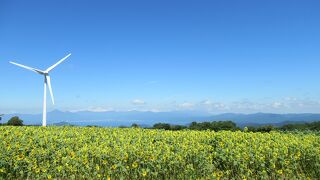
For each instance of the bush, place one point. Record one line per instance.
(164, 126)
(1, 118)
(251, 129)
(15, 121)
(266, 128)
(134, 125)
(177, 127)
(215, 125)
(314, 126)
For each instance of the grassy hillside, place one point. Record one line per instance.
(133, 153)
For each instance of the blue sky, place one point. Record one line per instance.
(214, 56)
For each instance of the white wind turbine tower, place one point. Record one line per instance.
(47, 81)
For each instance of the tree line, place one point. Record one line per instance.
(231, 126)
(213, 125)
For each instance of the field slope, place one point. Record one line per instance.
(133, 153)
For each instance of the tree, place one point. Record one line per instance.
(1, 117)
(164, 126)
(134, 125)
(215, 125)
(251, 129)
(178, 127)
(15, 121)
(266, 128)
(314, 126)
(194, 126)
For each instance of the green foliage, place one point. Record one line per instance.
(178, 127)
(15, 121)
(314, 126)
(266, 128)
(92, 126)
(136, 153)
(167, 126)
(164, 126)
(134, 125)
(215, 125)
(229, 125)
(263, 129)
(302, 127)
(251, 129)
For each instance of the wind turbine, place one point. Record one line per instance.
(47, 82)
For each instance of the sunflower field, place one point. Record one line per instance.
(134, 153)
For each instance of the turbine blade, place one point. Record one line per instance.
(26, 67)
(48, 80)
(56, 64)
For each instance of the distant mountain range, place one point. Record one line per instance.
(126, 118)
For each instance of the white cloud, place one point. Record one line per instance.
(100, 109)
(220, 106)
(210, 106)
(290, 99)
(207, 102)
(93, 109)
(138, 102)
(277, 104)
(186, 105)
(280, 105)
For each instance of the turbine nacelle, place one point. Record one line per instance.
(42, 72)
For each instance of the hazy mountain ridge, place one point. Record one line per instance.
(148, 118)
